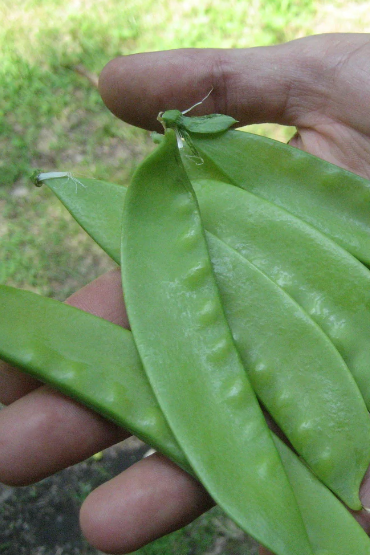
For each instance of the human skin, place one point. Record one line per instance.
(320, 85)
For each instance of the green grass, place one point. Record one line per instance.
(42, 247)
(52, 118)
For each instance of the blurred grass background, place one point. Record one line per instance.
(52, 117)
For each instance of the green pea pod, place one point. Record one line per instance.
(119, 390)
(59, 344)
(297, 374)
(321, 510)
(331, 199)
(188, 353)
(99, 211)
(264, 332)
(96, 206)
(330, 284)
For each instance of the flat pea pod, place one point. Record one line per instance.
(72, 351)
(330, 284)
(333, 200)
(42, 350)
(193, 366)
(97, 207)
(297, 373)
(304, 389)
(100, 211)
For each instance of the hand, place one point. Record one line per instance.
(42, 432)
(319, 84)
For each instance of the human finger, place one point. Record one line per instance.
(14, 383)
(103, 297)
(293, 84)
(44, 432)
(150, 499)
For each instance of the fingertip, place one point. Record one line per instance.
(137, 87)
(98, 527)
(122, 88)
(151, 499)
(109, 79)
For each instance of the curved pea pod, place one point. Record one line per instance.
(330, 284)
(41, 350)
(72, 351)
(189, 356)
(99, 210)
(307, 389)
(331, 199)
(297, 373)
(96, 206)
(321, 511)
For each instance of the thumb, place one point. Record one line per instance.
(248, 84)
(282, 84)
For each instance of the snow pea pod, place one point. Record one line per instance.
(329, 283)
(297, 373)
(97, 207)
(68, 349)
(333, 200)
(41, 350)
(321, 510)
(265, 326)
(323, 278)
(188, 353)
(99, 210)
